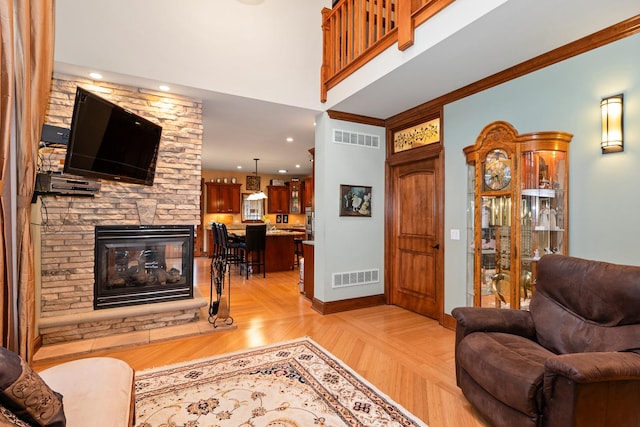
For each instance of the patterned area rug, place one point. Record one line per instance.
(289, 384)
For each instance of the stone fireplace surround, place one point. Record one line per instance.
(63, 230)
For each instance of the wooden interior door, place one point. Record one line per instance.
(416, 232)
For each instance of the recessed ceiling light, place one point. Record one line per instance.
(282, 171)
(298, 166)
(289, 139)
(165, 88)
(239, 167)
(96, 76)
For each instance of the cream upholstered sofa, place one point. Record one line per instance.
(96, 391)
(99, 389)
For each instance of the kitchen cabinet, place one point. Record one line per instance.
(296, 194)
(308, 192)
(517, 207)
(223, 198)
(308, 183)
(308, 252)
(277, 199)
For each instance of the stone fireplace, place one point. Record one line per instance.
(64, 227)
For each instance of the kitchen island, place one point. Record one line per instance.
(280, 248)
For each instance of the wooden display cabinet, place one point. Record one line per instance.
(517, 211)
(277, 199)
(223, 198)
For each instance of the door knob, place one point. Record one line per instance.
(436, 246)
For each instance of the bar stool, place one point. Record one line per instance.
(231, 252)
(255, 246)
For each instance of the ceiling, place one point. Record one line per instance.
(256, 66)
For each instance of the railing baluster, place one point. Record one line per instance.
(378, 19)
(361, 26)
(338, 47)
(372, 22)
(355, 31)
(343, 38)
(349, 30)
(336, 43)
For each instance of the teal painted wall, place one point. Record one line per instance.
(604, 199)
(347, 244)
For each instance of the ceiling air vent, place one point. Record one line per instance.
(354, 138)
(354, 278)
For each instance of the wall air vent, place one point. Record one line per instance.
(354, 138)
(355, 278)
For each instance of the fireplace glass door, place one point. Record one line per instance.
(142, 264)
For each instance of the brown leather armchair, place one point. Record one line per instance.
(573, 359)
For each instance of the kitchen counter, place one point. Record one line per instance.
(242, 232)
(280, 248)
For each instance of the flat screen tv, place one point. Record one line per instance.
(108, 142)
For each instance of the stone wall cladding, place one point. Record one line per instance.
(67, 223)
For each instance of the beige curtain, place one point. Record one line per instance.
(34, 34)
(7, 321)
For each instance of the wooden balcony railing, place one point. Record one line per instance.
(356, 31)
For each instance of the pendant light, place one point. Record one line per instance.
(258, 195)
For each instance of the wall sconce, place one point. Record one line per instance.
(612, 139)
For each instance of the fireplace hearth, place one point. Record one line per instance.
(142, 264)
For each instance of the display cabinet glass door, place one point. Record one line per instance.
(495, 258)
(542, 213)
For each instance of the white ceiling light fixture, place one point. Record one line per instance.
(95, 76)
(258, 195)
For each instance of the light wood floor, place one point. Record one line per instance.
(407, 356)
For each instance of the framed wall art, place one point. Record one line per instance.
(253, 183)
(417, 136)
(355, 200)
